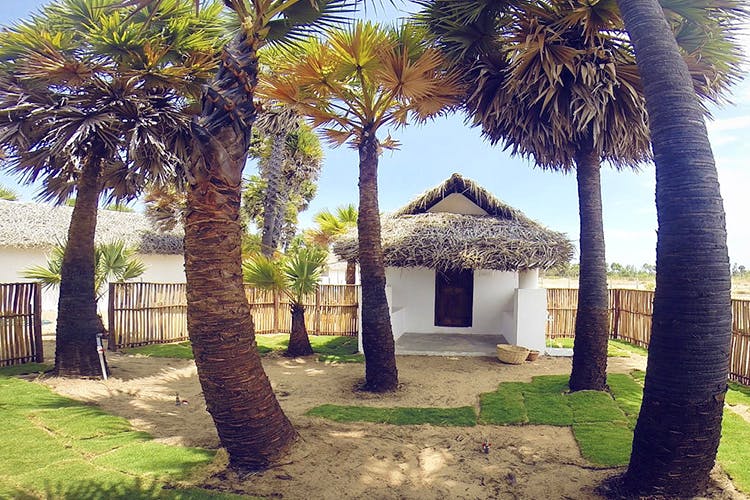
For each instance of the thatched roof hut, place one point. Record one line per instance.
(485, 233)
(41, 226)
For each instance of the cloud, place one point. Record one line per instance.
(734, 186)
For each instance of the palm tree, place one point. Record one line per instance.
(297, 275)
(331, 225)
(297, 155)
(359, 80)
(679, 425)
(239, 397)
(557, 82)
(276, 122)
(114, 262)
(94, 103)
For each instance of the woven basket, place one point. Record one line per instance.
(512, 354)
(533, 355)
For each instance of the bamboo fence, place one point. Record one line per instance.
(154, 313)
(630, 314)
(20, 323)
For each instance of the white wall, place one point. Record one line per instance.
(163, 268)
(531, 318)
(335, 273)
(159, 269)
(413, 301)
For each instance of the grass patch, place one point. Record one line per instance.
(445, 417)
(627, 394)
(738, 394)
(504, 406)
(331, 348)
(24, 369)
(51, 443)
(625, 346)
(548, 409)
(334, 349)
(604, 443)
(733, 453)
(594, 406)
(591, 414)
(180, 350)
(615, 348)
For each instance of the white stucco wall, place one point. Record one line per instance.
(159, 269)
(163, 268)
(531, 318)
(412, 291)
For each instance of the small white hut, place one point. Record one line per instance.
(28, 231)
(463, 265)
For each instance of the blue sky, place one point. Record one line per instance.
(431, 153)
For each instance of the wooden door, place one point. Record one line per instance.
(454, 298)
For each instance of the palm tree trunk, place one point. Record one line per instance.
(377, 337)
(248, 418)
(77, 319)
(351, 272)
(272, 202)
(679, 425)
(590, 348)
(299, 342)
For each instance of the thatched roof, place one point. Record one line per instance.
(504, 239)
(35, 225)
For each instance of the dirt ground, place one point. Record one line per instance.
(362, 460)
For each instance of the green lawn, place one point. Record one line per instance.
(330, 348)
(54, 447)
(615, 348)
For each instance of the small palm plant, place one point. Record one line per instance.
(333, 224)
(296, 275)
(114, 262)
(8, 194)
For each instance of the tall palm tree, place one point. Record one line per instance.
(274, 199)
(335, 224)
(297, 275)
(358, 81)
(248, 418)
(276, 122)
(556, 81)
(679, 425)
(94, 103)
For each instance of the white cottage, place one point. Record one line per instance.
(28, 231)
(462, 264)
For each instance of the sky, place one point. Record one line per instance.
(430, 153)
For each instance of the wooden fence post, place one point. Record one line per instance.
(276, 306)
(318, 311)
(112, 334)
(616, 312)
(38, 345)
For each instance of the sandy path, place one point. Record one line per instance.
(373, 461)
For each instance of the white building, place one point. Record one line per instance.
(460, 261)
(28, 231)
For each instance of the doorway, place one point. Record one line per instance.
(454, 298)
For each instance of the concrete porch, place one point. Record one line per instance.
(448, 344)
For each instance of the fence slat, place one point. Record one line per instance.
(20, 323)
(152, 313)
(630, 321)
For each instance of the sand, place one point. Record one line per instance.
(362, 460)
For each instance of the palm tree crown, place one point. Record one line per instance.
(547, 76)
(361, 79)
(81, 79)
